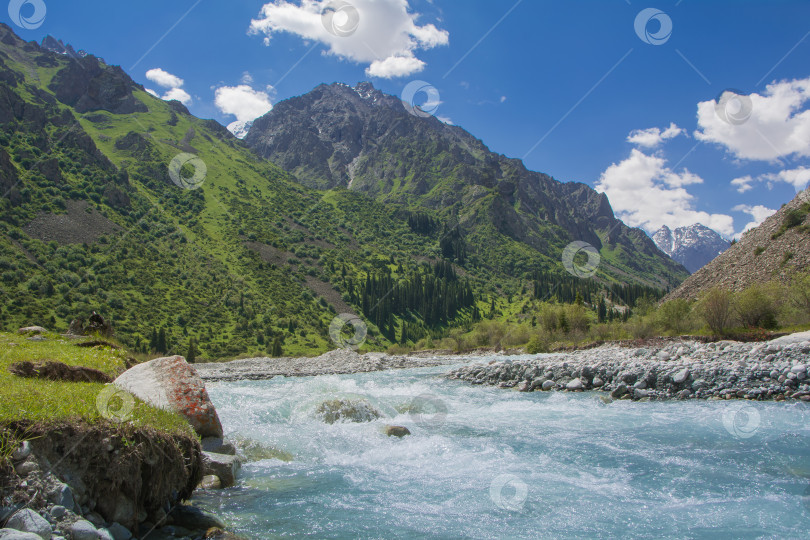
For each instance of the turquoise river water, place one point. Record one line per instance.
(483, 462)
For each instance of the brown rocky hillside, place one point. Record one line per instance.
(775, 250)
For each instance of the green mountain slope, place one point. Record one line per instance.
(516, 221)
(249, 261)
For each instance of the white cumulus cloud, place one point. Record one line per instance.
(179, 94)
(646, 193)
(799, 178)
(652, 137)
(242, 101)
(770, 126)
(172, 82)
(381, 33)
(759, 214)
(743, 183)
(164, 78)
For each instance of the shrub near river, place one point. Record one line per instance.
(750, 314)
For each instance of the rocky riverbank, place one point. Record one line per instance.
(125, 473)
(773, 370)
(334, 362)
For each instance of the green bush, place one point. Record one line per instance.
(715, 308)
(799, 294)
(641, 327)
(673, 316)
(757, 306)
(537, 344)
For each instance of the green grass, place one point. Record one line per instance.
(43, 401)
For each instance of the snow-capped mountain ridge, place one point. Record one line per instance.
(693, 246)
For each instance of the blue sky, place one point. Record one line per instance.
(562, 85)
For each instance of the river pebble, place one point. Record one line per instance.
(679, 370)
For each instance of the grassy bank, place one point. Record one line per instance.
(40, 403)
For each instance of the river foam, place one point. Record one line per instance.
(485, 462)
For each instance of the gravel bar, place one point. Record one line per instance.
(772, 370)
(334, 362)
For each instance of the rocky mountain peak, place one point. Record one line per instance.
(366, 90)
(775, 250)
(50, 43)
(693, 246)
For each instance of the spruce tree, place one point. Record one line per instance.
(191, 355)
(276, 350)
(161, 341)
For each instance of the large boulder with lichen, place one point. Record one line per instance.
(171, 383)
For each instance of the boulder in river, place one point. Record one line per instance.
(191, 517)
(210, 481)
(222, 465)
(218, 445)
(619, 391)
(171, 383)
(397, 431)
(347, 410)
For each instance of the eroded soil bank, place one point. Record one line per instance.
(75, 474)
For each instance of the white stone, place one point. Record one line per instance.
(681, 376)
(14, 534)
(29, 521)
(84, 530)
